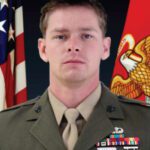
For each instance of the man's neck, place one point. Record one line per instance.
(71, 97)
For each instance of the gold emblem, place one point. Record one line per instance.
(136, 62)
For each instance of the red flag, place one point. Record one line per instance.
(131, 76)
(12, 55)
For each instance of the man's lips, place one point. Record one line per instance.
(74, 62)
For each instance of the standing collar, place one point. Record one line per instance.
(85, 108)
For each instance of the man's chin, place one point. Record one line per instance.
(74, 78)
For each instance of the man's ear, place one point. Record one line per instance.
(106, 48)
(42, 49)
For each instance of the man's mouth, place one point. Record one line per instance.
(74, 62)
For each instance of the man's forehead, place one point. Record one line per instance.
(83, 28)
(79, 22)
(73, 18)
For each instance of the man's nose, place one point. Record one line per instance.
(74, 45)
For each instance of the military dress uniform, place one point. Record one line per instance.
(116, 123)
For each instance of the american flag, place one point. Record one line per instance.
(12, 54)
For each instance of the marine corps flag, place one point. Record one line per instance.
(131, 76)
(12, 59)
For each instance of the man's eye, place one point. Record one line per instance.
(60, 37)
(87, 36)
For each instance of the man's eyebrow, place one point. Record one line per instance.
(60, 30)
(88, 29)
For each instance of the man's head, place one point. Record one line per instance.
(49, 7)
(74, 43)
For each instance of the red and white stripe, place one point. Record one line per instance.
(13, 72)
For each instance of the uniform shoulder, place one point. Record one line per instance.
(26, 104)
(123, 99)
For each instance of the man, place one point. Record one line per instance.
(74, 44)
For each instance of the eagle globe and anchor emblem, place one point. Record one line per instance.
(136, 61)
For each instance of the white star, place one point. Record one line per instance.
(3, 3)
(11, 33)
(1, 26)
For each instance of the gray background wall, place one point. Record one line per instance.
(37, 71)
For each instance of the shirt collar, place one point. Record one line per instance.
(58, 107)
(85, 108)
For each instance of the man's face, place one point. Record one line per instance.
(74, 44)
